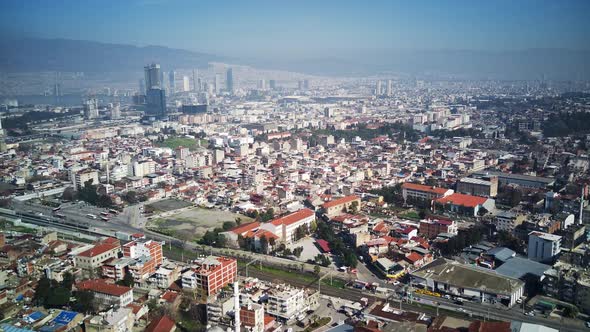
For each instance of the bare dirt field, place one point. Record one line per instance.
(194, 221)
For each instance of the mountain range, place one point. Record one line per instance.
(34, 55)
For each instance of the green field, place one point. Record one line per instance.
(174, 142)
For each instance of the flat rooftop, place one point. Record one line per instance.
(465, 276)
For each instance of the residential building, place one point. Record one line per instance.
(286, 302)
(431, 228)
(148, 248)
(210, 275)
(507, 221)
(462, 204)
(543, 247)
(107, 294)
(252, 317)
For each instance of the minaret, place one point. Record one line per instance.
(237, 307)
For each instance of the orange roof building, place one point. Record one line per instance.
(340, 205)
(285, 227)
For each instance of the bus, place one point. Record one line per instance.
(91, 216)
(104, 214)
(105, 219)
(57, 209)
(113, 211)
(59, 215)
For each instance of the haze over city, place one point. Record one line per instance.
(294, 166)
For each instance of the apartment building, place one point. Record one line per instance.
(508, 220)
(211, 274)
(286, 302)
(431, 228)
(148, 248)
(543, 247)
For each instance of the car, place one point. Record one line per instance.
(395, 283)
(447, 296)
(530, 313)
(519, 301)
(458, 302)
(588, 324)
(461, 310)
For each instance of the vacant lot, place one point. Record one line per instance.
(195, 221)
(168, 205)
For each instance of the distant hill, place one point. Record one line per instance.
(33, 55)
(530, 64)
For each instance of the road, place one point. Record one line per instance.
(120, 223)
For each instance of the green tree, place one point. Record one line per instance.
(42, 291)
(316, 269)
(228, 225)
(264, 244)
(85, 302)
(571, 311)
(68, 281)
(58, 297)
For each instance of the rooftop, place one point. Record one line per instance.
(339, 201)
(462, 199)
(465, 276)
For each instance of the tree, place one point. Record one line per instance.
(571, 311)
(42, 291)
(297, 251)
(354, 207)
(482, 211)
(68, 281)
(264, 244)
(58, 297)
(127, 280)
(69, 194)
(228, 225)
(85, 302)
(317, 269)
(130, 197)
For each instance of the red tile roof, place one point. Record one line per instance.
(339, 201)
(414, 257)
(293, 217)
(462, 200)
(323, 245)
(101, 286)
(421, 187)
(162, 324)
(98, 250)
(244, 228)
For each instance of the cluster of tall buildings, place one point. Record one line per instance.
(384, 91)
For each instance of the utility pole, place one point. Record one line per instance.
(248, 264)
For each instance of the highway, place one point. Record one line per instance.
(75, 214)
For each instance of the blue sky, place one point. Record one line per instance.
(305, 27)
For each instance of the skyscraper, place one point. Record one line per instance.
(152, 77)
(217, 84)
(156, 102)
(306, 84)
(172, 81)
(272, 84)
(229, 80)
(262, 84)
(378, 88)
(195, 86)
(116, 111)
(91, 109)
(186, 85)
(142, 88)
(388, 90)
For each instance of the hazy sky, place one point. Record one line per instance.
(313, 28)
